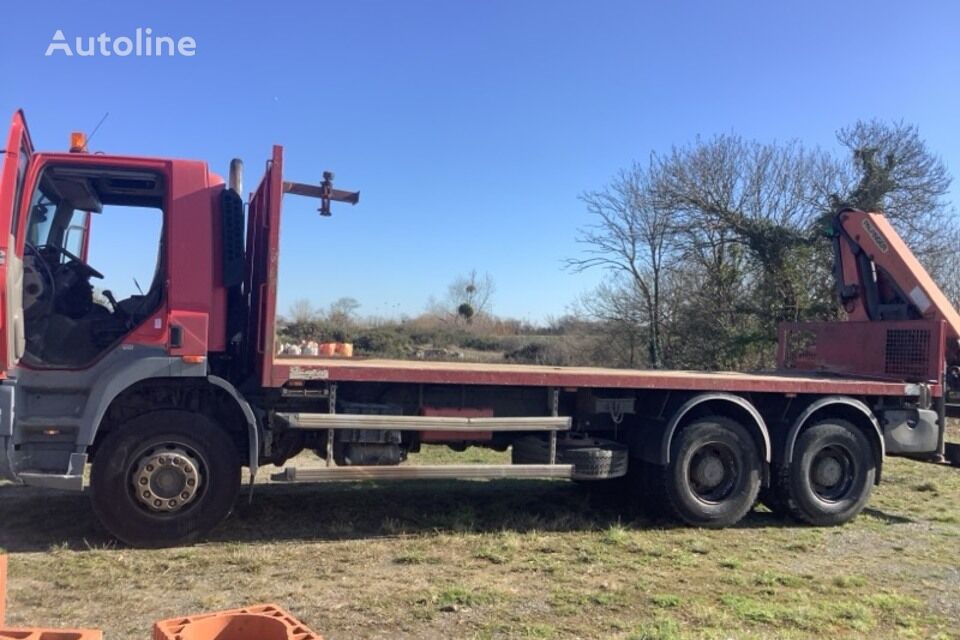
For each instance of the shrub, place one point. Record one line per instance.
(533, 353)
(557, 352)
(480, 343)
(383, 342)
(318, 330)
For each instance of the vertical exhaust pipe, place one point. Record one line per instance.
(236, 176)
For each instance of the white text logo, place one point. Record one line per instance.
(142, 44)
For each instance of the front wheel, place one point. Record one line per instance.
(831, 476)
(713, 476)
(164, 478)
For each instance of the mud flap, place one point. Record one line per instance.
(952, 453)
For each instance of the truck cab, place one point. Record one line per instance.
(76, 333)
(126, 290)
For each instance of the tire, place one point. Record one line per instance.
(592, 458)
(831, 476)
(713, 477)
(192, 488)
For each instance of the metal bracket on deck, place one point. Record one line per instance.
(324, 192)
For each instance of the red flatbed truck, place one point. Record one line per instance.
(170, 392)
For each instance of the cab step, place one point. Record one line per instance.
(424, 472)
(319, 421)
(56, 423)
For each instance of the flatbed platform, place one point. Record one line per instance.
(288, 369)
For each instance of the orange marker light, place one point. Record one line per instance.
(193, 359)
(78, 142)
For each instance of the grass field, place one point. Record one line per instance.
(505, 559)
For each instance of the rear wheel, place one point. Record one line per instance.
(831, 476)
(713, 477)
(164, 478)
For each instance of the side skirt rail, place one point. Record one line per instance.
(320, 421)
(425, 472)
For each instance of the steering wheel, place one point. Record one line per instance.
(39, 285)
(85, 269)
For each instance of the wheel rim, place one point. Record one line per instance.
(166, 478)
(832, 473)
(713, 472)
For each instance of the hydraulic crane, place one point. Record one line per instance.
(880, 279)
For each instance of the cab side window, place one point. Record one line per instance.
(93, 268)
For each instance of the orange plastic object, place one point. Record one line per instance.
(345, 349)
(50, 634)
(327, 348)
(260, 622)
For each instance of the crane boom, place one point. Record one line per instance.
(879, 278)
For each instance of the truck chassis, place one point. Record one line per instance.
(178, 389)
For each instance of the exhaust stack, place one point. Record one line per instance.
(236, 176)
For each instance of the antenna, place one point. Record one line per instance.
(97, 128)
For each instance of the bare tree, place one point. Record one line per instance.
(632, 237)
(339, 320)
(713, 244)
(342, 311)
(767, 199)
(301, 311)
(470, 296)
(947, 267)
(619, 307)
(891, 170)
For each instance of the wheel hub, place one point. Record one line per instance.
(713, 472)
(828, 472)
(832, 473)
(166, 480)
(709, 472)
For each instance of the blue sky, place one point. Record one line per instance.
(471, 127)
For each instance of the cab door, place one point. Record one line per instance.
(13, 177)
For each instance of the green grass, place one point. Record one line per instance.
(505, 559)
(665, 601)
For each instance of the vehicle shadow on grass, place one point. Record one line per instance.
(38, 520)
(886, 518)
